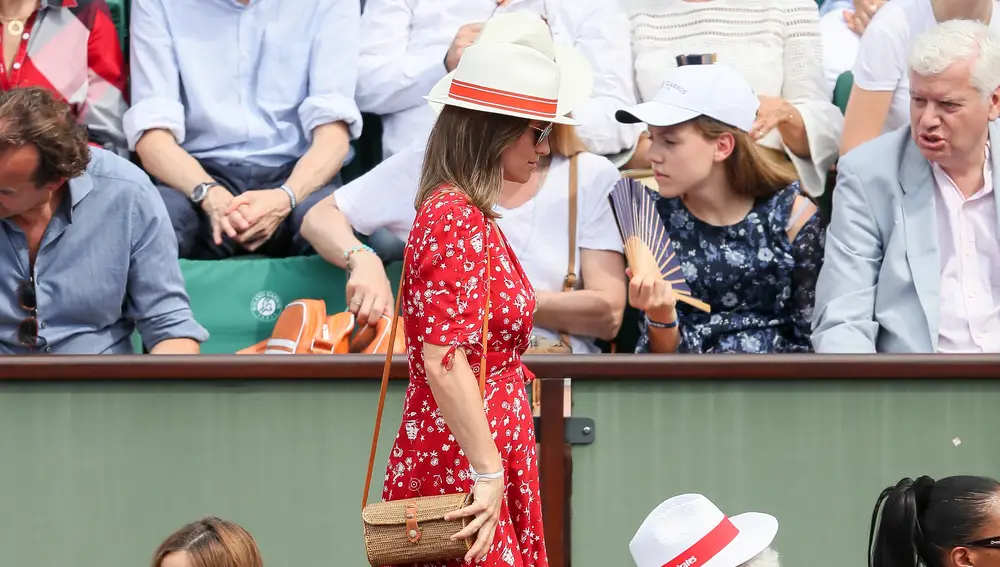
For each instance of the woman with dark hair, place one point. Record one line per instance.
(500, 105)
(952, 522)
(209, 542)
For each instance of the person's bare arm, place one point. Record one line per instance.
(329, 232)
(594, 311)
(176, 346)
(165, 160)
(865, 117)
(456, 392)
(369, 293)
(322, 161)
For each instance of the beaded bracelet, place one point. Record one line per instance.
(658, 325)
(291, 195)
(363, 247)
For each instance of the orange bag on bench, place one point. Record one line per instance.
(304, 328)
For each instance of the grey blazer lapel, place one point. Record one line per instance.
(921, 231)
(995, 163)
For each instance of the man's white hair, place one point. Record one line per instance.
(766, 558)
(955, 41)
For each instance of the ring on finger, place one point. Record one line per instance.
(356, 301)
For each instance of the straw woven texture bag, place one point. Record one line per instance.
(413, 530)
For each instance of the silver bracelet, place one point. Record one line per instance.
(485, 476)
(291, 194)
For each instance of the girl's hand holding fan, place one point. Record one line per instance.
(654, 266)
(650, 293)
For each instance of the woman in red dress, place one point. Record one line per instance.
(498, 108)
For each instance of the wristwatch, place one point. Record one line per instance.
(199, 192)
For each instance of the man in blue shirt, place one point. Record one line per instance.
(87, 253)
(243, 111)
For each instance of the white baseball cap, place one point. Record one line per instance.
(717, 91)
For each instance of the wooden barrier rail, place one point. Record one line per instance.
(555, 462)
(579, 367)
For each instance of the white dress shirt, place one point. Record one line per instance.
(244, 84)
(970, 265)
(404, 43)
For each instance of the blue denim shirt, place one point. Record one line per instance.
(106, 266)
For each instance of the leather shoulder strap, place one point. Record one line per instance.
(569, 282)
(389, 353)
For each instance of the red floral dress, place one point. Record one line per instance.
(444, 298)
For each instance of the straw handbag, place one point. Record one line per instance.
(413, 530)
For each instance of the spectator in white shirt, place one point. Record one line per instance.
(535, 216)
(408, 45)
(880, 98)
(776, 45)
(912, 259)
(841, 24)
(243, 110)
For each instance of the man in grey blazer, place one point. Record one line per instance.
(913, 248)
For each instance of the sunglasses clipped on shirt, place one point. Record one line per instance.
(27, 331)
(542, 133)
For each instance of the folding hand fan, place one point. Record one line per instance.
(647, 246)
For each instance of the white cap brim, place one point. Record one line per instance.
(655, 113)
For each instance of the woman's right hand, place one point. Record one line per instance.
(369, 294)
(487, 498)
(653, 295)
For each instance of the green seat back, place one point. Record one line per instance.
(120, 16)
(842, 90)
(238, 300)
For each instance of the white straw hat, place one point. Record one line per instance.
(514, 68)
(717, 91)
(690, 531)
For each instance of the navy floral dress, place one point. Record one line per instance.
(761, 287)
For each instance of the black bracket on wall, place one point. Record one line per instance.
(579, 430)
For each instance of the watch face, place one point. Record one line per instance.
(199, 193)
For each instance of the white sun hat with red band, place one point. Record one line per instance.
(514, 68)
(690, 531)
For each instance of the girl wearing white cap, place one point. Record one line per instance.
(499, 107)
(749, 243)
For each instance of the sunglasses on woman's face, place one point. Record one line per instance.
(542, 133)
(988, 542)
(27, 331)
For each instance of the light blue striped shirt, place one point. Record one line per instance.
(107, 266)
(243, 84)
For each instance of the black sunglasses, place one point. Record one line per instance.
(988, 542)
(27, 331)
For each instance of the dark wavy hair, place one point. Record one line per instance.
(923, 519)
(34, 116)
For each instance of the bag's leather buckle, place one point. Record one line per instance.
(412, 529)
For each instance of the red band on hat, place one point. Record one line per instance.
(493, 98)
(707, 547)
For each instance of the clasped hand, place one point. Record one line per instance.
(250, 219)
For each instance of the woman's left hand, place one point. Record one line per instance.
(773, 112)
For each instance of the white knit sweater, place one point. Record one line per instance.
(774, 43)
